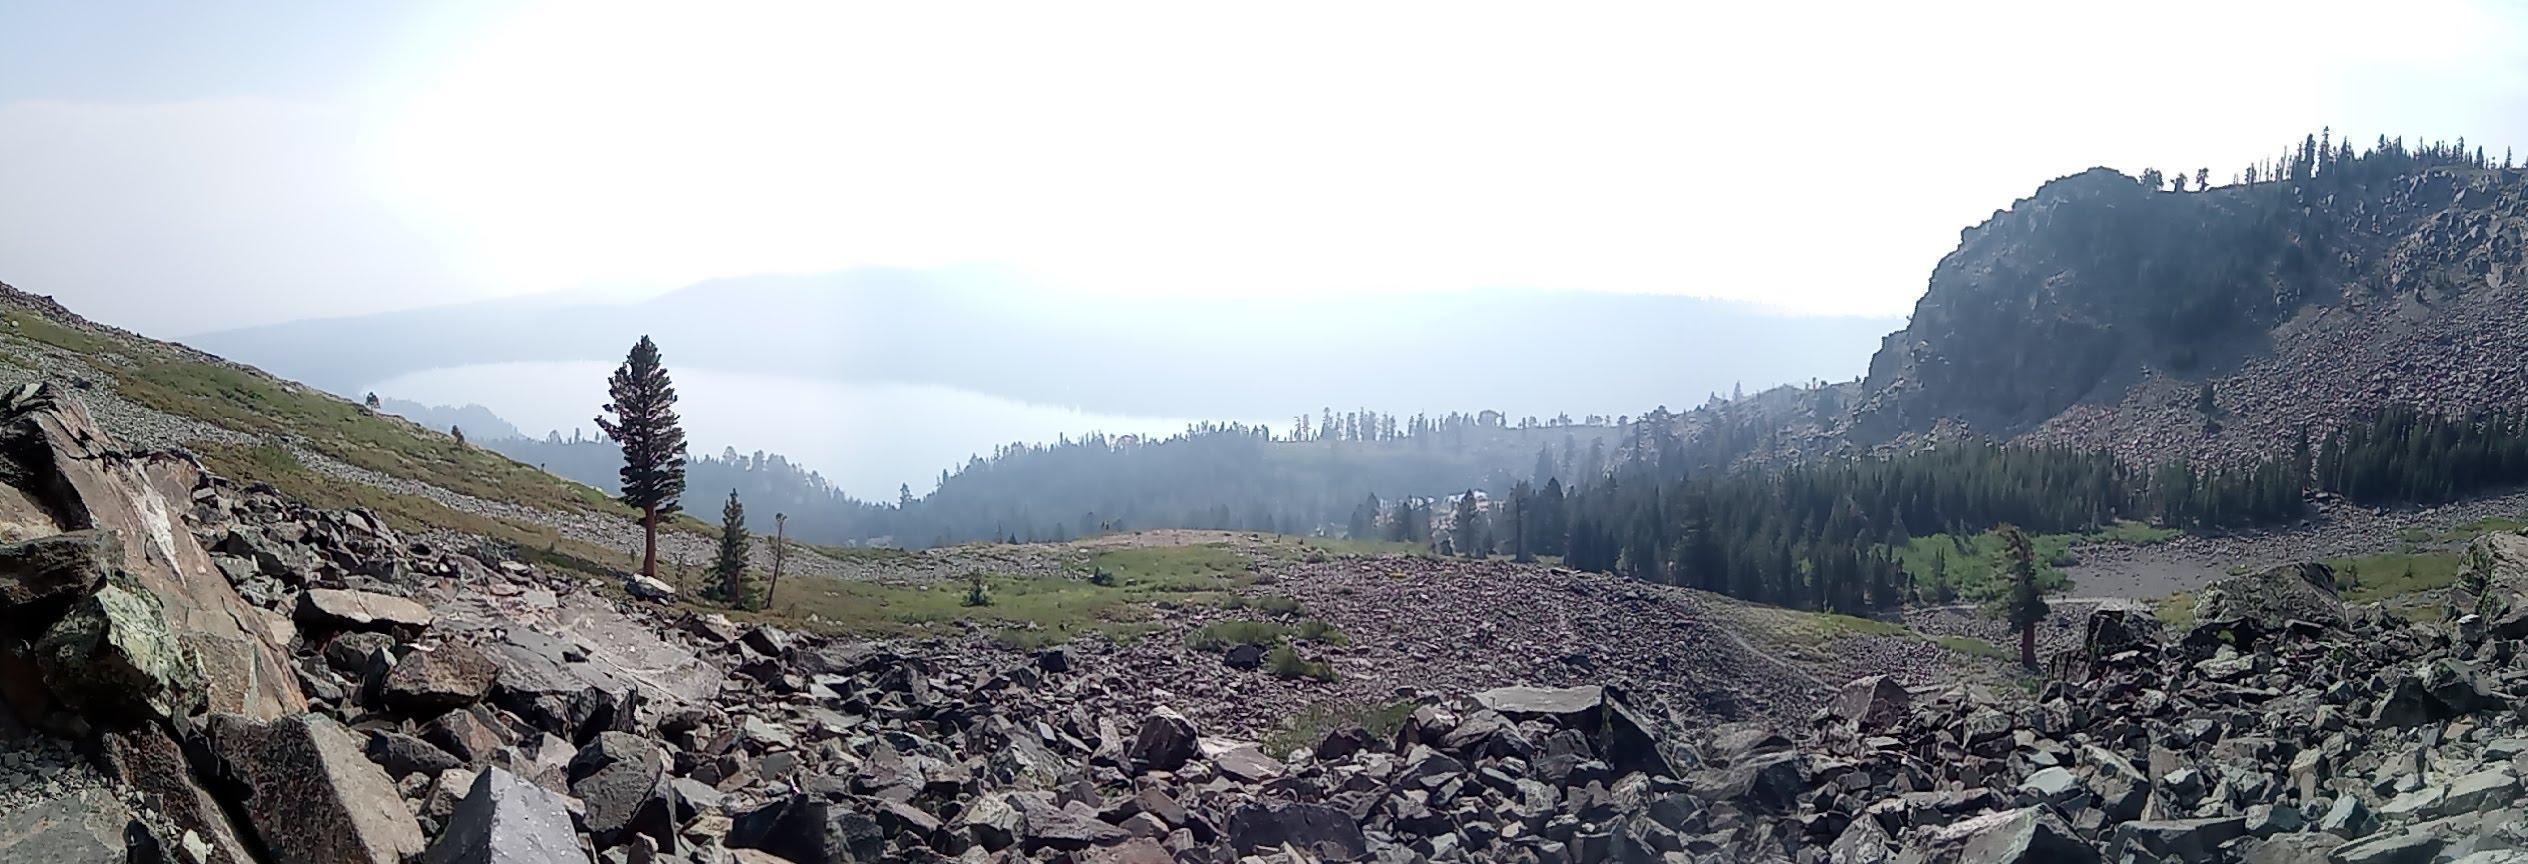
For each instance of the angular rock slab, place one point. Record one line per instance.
(145, 759)
(428, 682)
(1313, 828)
(340, 609)
(314, 797)
(53, 568)
(2029, 835)
(86, 481)
(806, 829)
(506, 820)
(88, 828)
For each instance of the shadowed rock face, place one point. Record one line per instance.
(315, 796)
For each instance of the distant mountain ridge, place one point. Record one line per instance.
(1524, 352)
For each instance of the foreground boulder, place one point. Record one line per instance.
(60, 461)
(310, 794)
(623, 779)
(805, 829)
(114, 655)
(507, 820)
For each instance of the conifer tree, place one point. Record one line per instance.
(1469, 535)
(730, 568)
(2027, 605)
(643, 402)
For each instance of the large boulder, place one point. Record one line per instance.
(1163, 743)
(85, 480)
(429, 682)
(1618, 736)
(2029, 835)
(506, 820)
(623, 779)
(310, 794)
(2272, 598)
(1874, 702)
(806, 829)
(2436, 690)
(114, 654)
(1312, 828)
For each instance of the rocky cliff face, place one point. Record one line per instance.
(2094, 311)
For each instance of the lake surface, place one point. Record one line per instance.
(865, 438)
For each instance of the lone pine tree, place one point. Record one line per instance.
(644, 408)
(2027, 605)
(730, 568)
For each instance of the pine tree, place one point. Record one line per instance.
(730, 568)
(2027, 605)
(644, 408)
(1469, 534)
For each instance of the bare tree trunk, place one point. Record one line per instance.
(780, 523)
(2027, 646)
(649, 541)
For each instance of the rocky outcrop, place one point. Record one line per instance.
(55, 455)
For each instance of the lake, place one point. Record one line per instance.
(865, 438)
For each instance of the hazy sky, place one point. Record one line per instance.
(182, 167)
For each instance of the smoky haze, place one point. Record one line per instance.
(796, 345)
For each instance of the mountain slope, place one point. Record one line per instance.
(2098, 312)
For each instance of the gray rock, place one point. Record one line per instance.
(806, 829)
(403, 755)
(2348, 818)
(623, 780)
(1164, 742)
(2188, 839)
(1569, 707)
(1771, 782)
(2272, 598)
(1874, 702)
(1312, 828)
(429, 682)
(2029, 835)
(56, 568)
(313, 796)
(1243, 656)
(330, 609)
(1067, 825)
(2416, 846)
(349, 652)
(68, 829)
(506, 820)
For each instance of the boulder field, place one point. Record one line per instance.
(196, 671)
